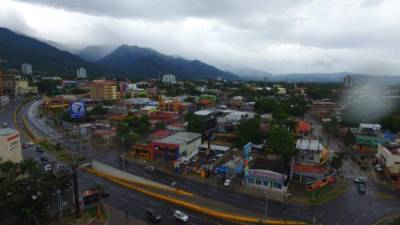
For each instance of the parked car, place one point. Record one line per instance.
(362, 188)
(149, 168)
(30, 143)
(194, 159)
(227, 182)
(181, 216)
(378, 168)
(4, 125)
(360, 180)
(153, 215)
(185, 162)
(24, 145)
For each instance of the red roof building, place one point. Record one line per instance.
(303, 128)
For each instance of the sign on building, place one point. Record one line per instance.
(77, 109)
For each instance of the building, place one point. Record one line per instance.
(10, 146)
(268, 174)
(311, 152)
(103, 90)
(323, 109)
(181, 144)
(21, 86)
(169, 79)
(4, 100)
(7, 83)
(389, 157)
(369, 129)
(26, 69)
(81, 73)
(347, 82)
(369, 144)
(303, 128)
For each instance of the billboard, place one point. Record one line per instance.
(322, 182)
(77, 109)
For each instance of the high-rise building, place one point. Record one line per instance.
(103, 90)
(81, 73)
(10, 146)
(347, 82)
(26, 68)
(8, 83)
(168, 79)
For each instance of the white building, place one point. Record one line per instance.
(10, 146)
(169, 79)
(26, 68)
(81, 73)
(389, 157)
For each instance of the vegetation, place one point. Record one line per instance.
(25, 190)
(132, 128)
(281, 142)
(194, 123)
(249, 131)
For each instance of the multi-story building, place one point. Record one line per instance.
(311, 152)
(103, 90)
(169, 79)
(21, 85)
(81, 73)
(389, 157)
(10, 146)
(26, 68)
(323, 109)
(7, 83)
(347, 82)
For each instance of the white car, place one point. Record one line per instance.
(181, 216)
(378, 168)
(360, 180)
(227, 182)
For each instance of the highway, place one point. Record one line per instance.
(120, 198)
(350, 208)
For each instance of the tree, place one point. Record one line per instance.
(337, 161)
(249, 131)
(349, 138)
(25, 190)
(194, 123)
(282, 142)
(132, 128)
(392, 123)
(48, 87)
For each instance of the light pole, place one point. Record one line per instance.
(60, 205)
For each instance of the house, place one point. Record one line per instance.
(389, 157)
(268, 174)
(159, 134)
(163, 117)
(369, 129)
(303, 128)
(181, 144)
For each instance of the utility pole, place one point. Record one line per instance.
(60, 205)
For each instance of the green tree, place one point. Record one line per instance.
(131, 128)
(281, 142)
(391, 122)
(194, 123)
(249, 131)
(349, 138)
(48, 87)
(336, 161)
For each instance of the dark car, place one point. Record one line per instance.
(38, 149)
(153, 215)
(44, 159)
(362, 188)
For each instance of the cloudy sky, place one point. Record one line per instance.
(278, 36)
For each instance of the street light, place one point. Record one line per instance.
(60, 205)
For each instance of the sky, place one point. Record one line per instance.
(277, 36)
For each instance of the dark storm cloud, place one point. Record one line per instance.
(273, 35)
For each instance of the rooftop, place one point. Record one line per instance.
(203, 112)
(307, 144)
(269, 164)
(180, 138)
(7, 131)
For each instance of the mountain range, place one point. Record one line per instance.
(127, 61)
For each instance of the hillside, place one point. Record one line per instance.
(17, 49)
(148, 63)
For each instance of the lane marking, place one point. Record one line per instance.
(115, 189)
(154, 203)
(230, 199)
(205, 220)
(133, 196)
(125, 200)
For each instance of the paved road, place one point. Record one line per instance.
(350, 208)
(121, 198)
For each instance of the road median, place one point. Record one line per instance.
(199, 204)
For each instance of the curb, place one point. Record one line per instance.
(191, 206)
(385, 218)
